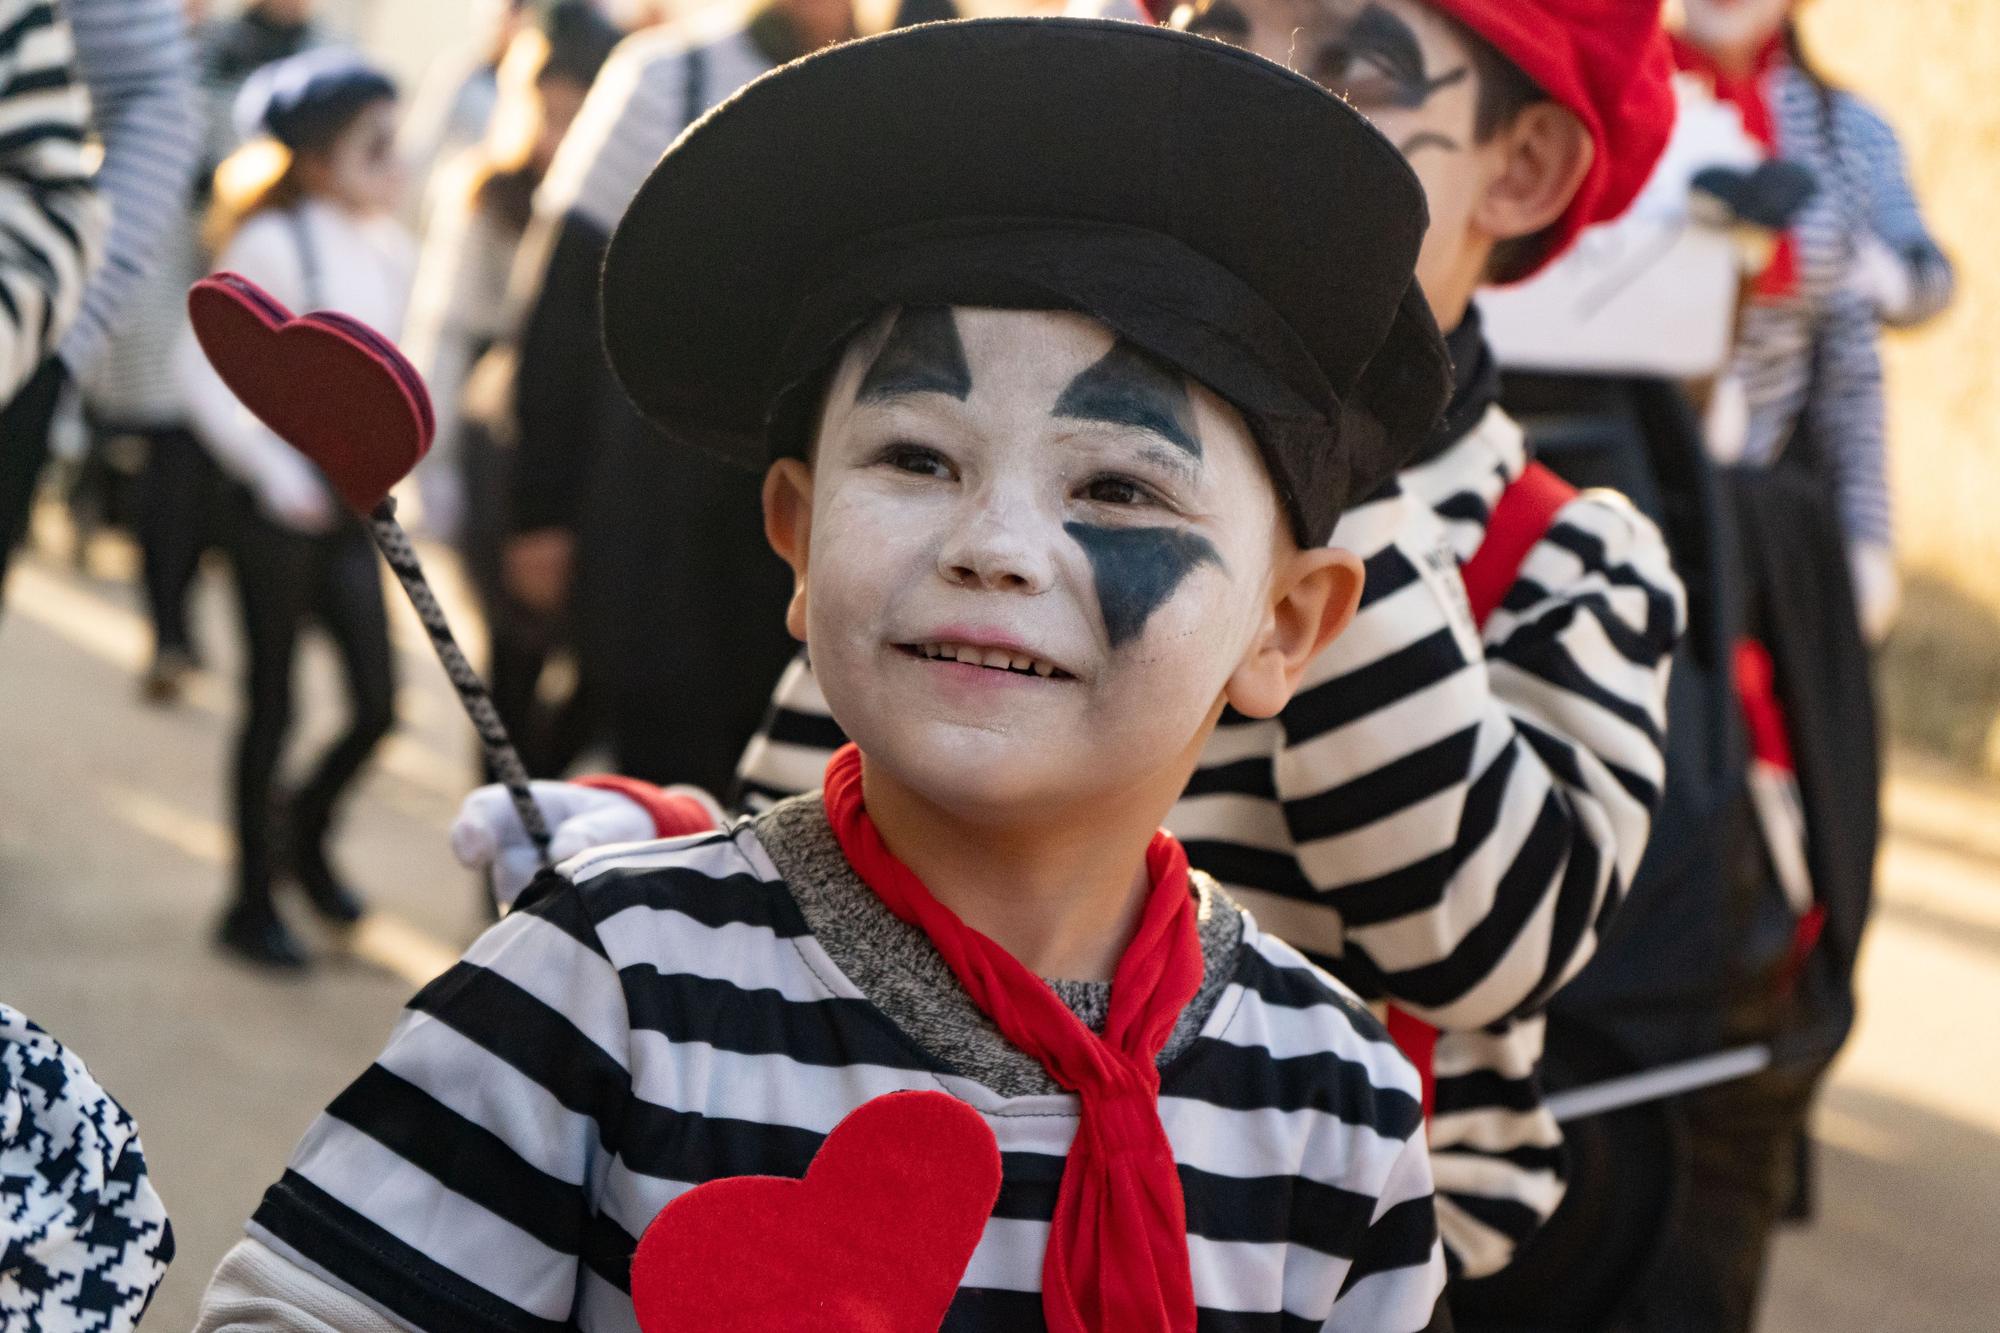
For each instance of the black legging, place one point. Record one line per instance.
(24, 448)
(282, 578)
(177, 522)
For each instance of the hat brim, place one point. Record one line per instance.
(1106, 128)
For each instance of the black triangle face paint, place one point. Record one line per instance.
(922, 355)
(1127, 387)
(1137, 571)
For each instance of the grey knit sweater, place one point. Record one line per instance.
(896, 967)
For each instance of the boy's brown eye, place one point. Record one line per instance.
(1116, 491)
(917, 459)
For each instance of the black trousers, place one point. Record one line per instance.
(24, 448)
(284, 579)
(178, 502)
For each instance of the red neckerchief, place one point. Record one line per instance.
(1747, 93)
(1117, 1260)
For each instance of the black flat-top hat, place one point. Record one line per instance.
(1221, 212)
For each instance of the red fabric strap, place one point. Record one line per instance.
(1757, 696)
(1418, 1041)
(675, 814)
(1521, 518)
(1764, 719)
(1748, 94)
(1117, 1259)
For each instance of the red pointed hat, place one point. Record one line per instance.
(1608, 61)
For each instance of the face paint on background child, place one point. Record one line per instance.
(1402, 64)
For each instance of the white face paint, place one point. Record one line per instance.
(1731, 26)
(1034, 497)
(364, 172)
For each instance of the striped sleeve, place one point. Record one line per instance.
(50, 217)
(1366, 1253)
(137, 61)
(1397, 1279)
(451, 1185)
(1496, 1151)
(1467, 815)
(1846, 414)
(1895, 216)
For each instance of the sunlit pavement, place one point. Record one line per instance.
(113, 856)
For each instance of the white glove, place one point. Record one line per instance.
(1726, 427)
(487, 835)
(293, 495)
(1882, 278)
(1878, 589)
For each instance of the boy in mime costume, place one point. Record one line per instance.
(1447, 815)
(1056, 432)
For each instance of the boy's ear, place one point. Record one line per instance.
(1314, 594)
(1540, 162)
(788, 527)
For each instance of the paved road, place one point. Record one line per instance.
(112, 861)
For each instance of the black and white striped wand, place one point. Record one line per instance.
(394, 543)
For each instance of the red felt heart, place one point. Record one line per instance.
(873, 1240)
(330, 386)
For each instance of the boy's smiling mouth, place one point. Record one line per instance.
(1008, 660)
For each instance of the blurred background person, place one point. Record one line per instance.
(134, 59)
(1745, 918)
(306, 209)
(234, 47)
(626, 533)
(1857, 256)
(453, 107)
(458, 315)
(134, 392)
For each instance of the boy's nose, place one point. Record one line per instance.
(998, 552)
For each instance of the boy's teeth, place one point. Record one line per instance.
(995, 658)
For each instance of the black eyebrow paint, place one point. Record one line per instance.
(1137, 570)
(923, 354)
(1128, 387)
(1387, 42)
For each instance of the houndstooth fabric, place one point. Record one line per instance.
(84, 1239)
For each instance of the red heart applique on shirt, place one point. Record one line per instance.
(330, 386)
(874, 1240)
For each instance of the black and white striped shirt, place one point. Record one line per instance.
(50, 217)
(673, 1018)
(137, 61)
(1814, 357)
(1442, 819)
